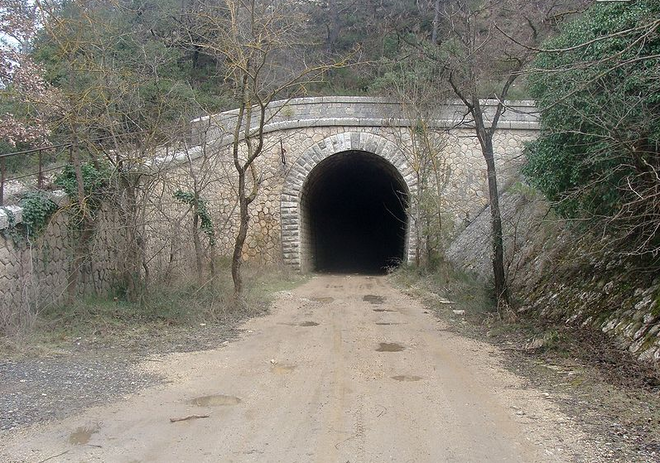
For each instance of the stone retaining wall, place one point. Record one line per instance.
(34, 273)
(554, 273)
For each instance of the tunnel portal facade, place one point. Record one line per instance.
(345, 206)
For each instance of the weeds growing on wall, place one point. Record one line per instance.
(38, 209)
(201, 211)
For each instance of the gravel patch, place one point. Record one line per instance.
(91, 372)
(37, 390)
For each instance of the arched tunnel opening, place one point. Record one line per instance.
(354, 214)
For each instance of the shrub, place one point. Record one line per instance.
(599, 92)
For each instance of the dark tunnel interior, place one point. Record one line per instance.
(356, 206)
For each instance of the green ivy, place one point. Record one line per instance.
(96, 180)
(11, 232)
(38, 208)
(96, 185)
(206, 223)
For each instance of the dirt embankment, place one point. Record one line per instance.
(566, 276)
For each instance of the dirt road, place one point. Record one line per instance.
(344, 369)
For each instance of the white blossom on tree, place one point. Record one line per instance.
(26, 97)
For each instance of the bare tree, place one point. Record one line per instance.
(115, 110)
(422, 142)
(485, 49)
(260, 45)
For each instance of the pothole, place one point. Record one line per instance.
(373, 299)
(323, 300)
(218, 400)
(388, 324)
(83, 435)
(390, 347)
(384, 310)
(282, 369)
(407, 378)
(309, 324)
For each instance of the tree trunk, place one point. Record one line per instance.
(134, 251)
(3, 175)
(237, 258)
(485, 137)
(501, 288)
(332, 26)
(197, 243)
(80, 183)
(212, 256)
(436, 22)
(439, 245)
(84, 226)
(418, 224)
(486, 140)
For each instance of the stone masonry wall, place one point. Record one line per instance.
(303, 126)
(465, 194)
(299, 135)
(34, 272)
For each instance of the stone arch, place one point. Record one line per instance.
(294, 241)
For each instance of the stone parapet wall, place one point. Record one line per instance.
(351, 111)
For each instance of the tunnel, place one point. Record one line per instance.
(354, 214)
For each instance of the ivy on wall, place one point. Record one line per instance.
(38, 209)
(96, 184)
(199, 206)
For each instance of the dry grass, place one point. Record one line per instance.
(170, 315)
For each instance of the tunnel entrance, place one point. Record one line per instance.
(354, 214)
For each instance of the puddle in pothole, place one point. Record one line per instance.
(323, 300)
(407, 378)
(308, 324)
(373, 299)
(282, 369)
(217, 400)
(390, 347)
(83, 435)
